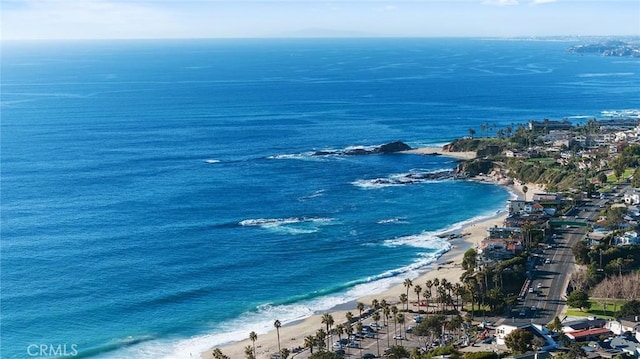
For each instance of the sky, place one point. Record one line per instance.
(135, 19)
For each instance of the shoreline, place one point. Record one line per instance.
(447, 266)
(439, 151)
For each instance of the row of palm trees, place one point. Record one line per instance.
(447, 295)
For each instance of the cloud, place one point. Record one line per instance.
(500, 2)
(536, 2)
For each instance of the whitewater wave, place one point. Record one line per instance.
(290, 225)
(415, 176)
(262, 317)
(392, 220)
(211, 161)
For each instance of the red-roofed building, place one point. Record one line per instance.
(587, 334)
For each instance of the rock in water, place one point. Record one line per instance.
(392, 147)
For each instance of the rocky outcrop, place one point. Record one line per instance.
(392, 147)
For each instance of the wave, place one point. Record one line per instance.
(606, 74)
(315, 194)
(291, 225)
(392, 220)
(301, 307)
(412, 177)
(211, 161)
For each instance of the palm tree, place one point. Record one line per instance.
(418, 290)
(253, 337)
(340, 330)
(349, 316)
(394, 310)
(408, 284)
(384, 306)
(248, 352)
(359, 331)
(403, 299)
(429, 285)
(327, 319)
(277, 324)
(375, 304)
(525, 189)
(376, 318)
(458, 290)
(427, 296)
(387, 313)
(309, 342)
(401, 321)
(321, 335)
(360, 307)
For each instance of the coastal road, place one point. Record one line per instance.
(551, 272)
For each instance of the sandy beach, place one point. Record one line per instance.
(448, 266)
(440, 151)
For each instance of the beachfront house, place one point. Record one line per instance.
(537, 330)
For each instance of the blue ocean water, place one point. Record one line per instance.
(159, 197)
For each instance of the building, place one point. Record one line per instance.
(587, 334)
(537, 330)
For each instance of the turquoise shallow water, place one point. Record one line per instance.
(158, 197)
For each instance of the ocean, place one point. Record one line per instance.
(161, 197)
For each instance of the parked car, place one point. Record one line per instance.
(368, 356)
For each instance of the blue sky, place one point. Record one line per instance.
(105, 19)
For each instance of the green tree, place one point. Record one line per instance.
(555, 325)
(519, 341)
(408, 284)
(418, 289)
(218, 354)
(630, 308)
(469, 260)
(360, 307)
(376, 318)
(602, 177)
(480, 355)
(321, 336)
(327, 319)
(398, 352)
(324, 355)
(284, 353)
(248, 352)
(578, 299)
(253, 337)
(310, 342)
(576, 351)
(619, 165)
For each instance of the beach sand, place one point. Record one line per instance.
(440, 151)
(448, 266)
